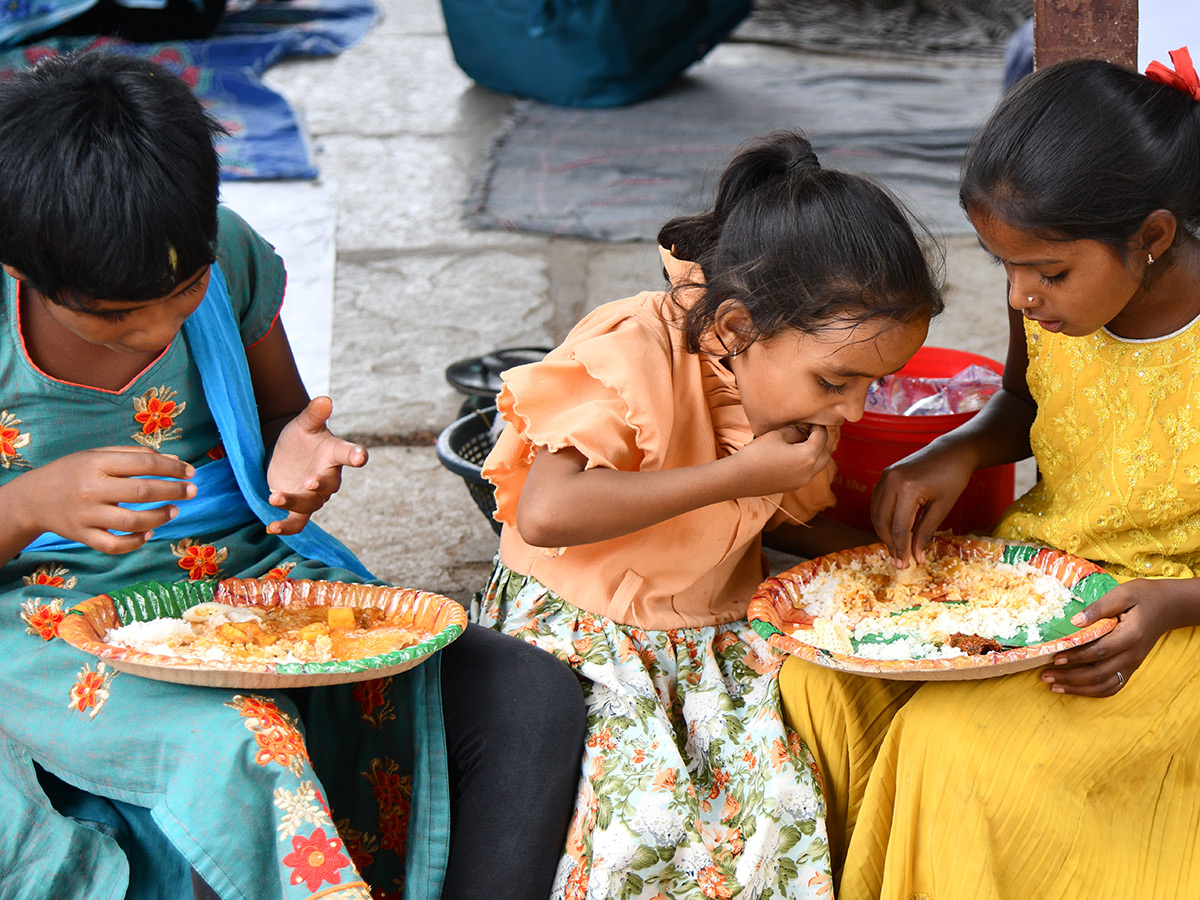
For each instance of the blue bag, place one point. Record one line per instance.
(585, 52)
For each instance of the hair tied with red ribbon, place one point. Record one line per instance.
(1184, 77)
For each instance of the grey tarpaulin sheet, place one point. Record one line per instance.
(618, 174)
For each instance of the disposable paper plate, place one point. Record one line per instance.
(438, 618)
(776, 615)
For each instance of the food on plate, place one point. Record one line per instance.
(975, 644)
(292, 632)
(948, 606)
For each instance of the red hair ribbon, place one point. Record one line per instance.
(1184, 77)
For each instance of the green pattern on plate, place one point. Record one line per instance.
(1094, 586)
(148, 600)
(1015, 554)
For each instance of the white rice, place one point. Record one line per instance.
(1002, 615)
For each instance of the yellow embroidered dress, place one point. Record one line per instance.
(1001, 788)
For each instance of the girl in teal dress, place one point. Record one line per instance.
(131, 449)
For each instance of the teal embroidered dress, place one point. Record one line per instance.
(137, 781)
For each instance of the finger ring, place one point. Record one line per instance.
(1120, 680)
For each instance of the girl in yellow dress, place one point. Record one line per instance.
(1078, 780)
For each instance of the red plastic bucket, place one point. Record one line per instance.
(873, 443)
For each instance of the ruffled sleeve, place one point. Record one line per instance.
(586, 395)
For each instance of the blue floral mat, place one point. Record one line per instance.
(265, 139)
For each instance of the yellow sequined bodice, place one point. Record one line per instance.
(1117, 442)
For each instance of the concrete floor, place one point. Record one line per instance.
(399, 131)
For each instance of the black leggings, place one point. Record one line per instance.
(515, 726)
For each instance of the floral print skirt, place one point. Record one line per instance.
(692, 787)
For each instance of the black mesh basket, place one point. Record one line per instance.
(462, 447)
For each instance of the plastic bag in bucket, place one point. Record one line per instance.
(877, 440)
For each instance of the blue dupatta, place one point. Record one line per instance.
(233, 490)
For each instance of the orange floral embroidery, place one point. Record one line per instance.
(52, 576)
(90, 691)
(393, 796)
(42, 618)
(315, 860)
(274, 731)
(156, 411)
(217, 452)
(12, 439)
(371, 696)
(200, 561)
(280, 572)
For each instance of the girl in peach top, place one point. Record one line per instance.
(643, 461)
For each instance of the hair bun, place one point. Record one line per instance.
(805, 162)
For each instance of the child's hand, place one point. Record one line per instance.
(913, 496)
(306, 467)
(1145, 610)
(77, 497)
(785, 460)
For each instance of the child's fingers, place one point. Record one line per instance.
(306, 502)
(893, 515)
(129, 462)
(345, 453)
(151, 490)
(135, 521)
(1109, 606)
(314, 416)
(1097, 680)
(114, 544)
(1116, 643)
(929, 519)
(292, 523)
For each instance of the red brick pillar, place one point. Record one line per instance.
(1090, 29)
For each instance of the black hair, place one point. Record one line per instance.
(1085, 149)
(108, 179)
(799, 246)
